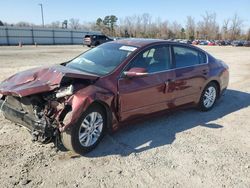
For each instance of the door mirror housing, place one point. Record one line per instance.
(135, 72)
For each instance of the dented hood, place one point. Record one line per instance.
(40, 80)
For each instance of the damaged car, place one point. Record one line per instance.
(78, 101)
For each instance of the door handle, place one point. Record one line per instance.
(167, 84)
(170, 80)
(205, 71)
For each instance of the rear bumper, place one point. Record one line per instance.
(38, 127)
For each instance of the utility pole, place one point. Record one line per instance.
(41, 5)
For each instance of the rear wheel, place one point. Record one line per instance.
(208, 97)
(85, 135)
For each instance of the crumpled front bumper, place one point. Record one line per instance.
(37, 127)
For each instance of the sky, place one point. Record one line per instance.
(13, 11)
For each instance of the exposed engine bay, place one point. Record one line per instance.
(43, 114)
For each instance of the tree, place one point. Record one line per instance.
(248, 35)
(1, 23)
(164, 29)
(109, 22)
(183, 34)
(208, 27)
(236, 25)
(74, 23)
(55, 24)
(65, 24)
(176, 29)
(225, 29)
(99, 22)
(190, 28)
(24, 24)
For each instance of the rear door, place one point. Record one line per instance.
(191, 71)
(144, 95)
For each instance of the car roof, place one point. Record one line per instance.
(138, 42)
(141, 42)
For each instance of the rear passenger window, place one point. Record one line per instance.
(185, 57)
(202, 58)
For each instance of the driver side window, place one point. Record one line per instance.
(155, 59)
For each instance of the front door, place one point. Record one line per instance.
(152, 92)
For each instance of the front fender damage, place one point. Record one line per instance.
(77, 103)
(45, 116)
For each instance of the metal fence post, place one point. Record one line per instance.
(71, 32)
(7, 35)
(32, 35)
(53, 36)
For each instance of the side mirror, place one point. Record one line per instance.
(135, 72)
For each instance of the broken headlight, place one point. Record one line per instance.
(65, 91)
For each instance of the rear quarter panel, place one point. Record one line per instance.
(218, 71)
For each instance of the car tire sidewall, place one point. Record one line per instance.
(202, 107)
(97, 43)
(76, 145)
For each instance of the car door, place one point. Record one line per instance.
(191, 72)
(151, 93)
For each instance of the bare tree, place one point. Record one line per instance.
(225, 29)
(208, 27)
(144, 26)
(146, 21)
(248, 35)
(236, 25)
(176, 29)
(190, 28)
(24, 24)
(56, 24)
(74, 23)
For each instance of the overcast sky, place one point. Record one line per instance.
(13, 11)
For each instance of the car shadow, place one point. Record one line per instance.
(162, 130)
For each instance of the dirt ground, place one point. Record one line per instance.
(186, 148)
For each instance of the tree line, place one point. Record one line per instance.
(144, 26)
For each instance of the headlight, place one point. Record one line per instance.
(65, 91)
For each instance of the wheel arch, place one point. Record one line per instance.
(107, 111)
(217, 83)
(213, 80)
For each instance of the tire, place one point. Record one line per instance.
(97, 43)
(87, 133)
(208, 97)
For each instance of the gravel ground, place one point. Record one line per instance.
(186, 148)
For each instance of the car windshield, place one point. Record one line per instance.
(103, 59)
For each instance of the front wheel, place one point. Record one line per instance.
(208, 97)
(85, 135)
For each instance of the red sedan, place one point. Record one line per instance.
(78, 101)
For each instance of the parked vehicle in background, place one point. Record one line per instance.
(79, 100)
(228, 42)
(195, 42)
(95, 40)
(221, 43)
(237, 43)
(177, 40)
(204, 42)
(247, 43)
(211, 43)
(186, 41)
